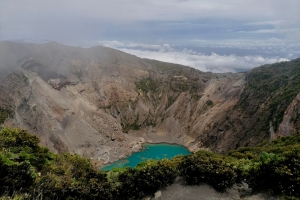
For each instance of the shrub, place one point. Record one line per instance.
(4, 113)
(204, 167)
(18, 146)
(278, 176)
(16, 177)
(27, 168)
(146, 179)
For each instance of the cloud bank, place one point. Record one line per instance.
(212, 62)
(218, 36)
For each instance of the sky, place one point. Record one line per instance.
(210, 35)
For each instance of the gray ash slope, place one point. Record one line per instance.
(103, 103)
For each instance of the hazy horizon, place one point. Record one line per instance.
(216, 36)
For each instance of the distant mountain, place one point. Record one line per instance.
(103, 103)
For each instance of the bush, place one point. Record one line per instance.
(16, 177)
(17, 138)
(204, 167)
(17, 146)
(72, 177)
(27, 168)
(4, 113)
(146, 179)
(278, 176)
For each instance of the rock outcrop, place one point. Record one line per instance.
(103, 103)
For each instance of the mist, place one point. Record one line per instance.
(235, 25)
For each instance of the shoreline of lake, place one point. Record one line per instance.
(156, 151)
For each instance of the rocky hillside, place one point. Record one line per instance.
(103, 103)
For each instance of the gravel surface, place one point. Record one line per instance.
(180, 191)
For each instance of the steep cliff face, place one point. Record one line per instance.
(290, 123)
(177, 104)
(104, 103)
(267, 108)
(55, 92)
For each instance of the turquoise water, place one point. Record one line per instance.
(150, 151)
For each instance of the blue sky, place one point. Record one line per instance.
(210, 35)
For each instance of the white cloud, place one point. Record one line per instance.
(119, 45)
(112, 44)
(275, 30)
(212, 62)
(247, 43)
(142, 21)
(267, 22)
(264, 31)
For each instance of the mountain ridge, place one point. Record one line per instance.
(103, 103)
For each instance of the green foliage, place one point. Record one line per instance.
(279, 177)
(4, 113)
(147, 84)
(17, 146)
(178, 79)
(205, 167)
(273, 86)
(19, 176)
(146, 179)
(34, 172)
(280, 147)
(274, 167)
(20, 159)
(209, 103)
(72, 177)
(268, 157)
(14, 197)
(133, 126)
(171, 100)
(17, 138)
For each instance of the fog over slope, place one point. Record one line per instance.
(104, 103)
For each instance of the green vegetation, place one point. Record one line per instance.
(133, 126)
(145, 179)
(147, 84)
(177, 79)
(171, 100)
(216, 170)
(275, 86)
(4, 113)
(282, 146)
(30, 171)
(274, 167)
(209, 103)
(20, 160)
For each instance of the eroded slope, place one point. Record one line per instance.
(104, 103)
